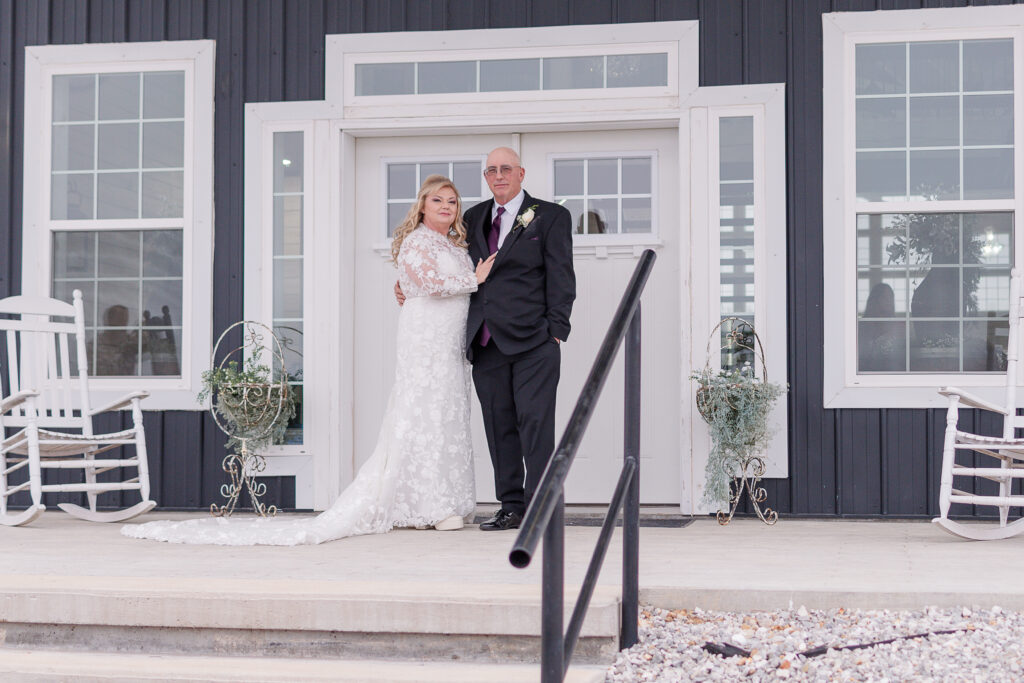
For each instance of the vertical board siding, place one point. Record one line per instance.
(842, 462)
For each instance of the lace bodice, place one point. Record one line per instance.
(429, 264)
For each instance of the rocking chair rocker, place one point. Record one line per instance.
(50, 432)
(1007, 450)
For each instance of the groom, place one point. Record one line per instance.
(517, 319)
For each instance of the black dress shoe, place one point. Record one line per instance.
(502, 521)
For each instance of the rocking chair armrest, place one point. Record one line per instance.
(969, 400)
(120, 403)
(16, 399)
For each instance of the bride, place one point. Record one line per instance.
(421, 471)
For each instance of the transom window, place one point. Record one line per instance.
(404, 178)
(118, 145)
(608, 195)
(503, 75)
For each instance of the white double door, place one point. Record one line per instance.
(388, 171)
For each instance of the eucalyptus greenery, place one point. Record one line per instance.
(736, 406)
(252, 405)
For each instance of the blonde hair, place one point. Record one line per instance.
(432, 184)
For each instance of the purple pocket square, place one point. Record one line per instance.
(532, 239)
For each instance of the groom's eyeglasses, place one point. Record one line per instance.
(492, 171)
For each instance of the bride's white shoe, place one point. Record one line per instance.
(450, 523)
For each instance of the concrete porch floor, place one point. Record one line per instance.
(743, 566)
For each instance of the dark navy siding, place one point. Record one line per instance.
(843, 462)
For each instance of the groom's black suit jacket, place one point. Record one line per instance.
(528, 295)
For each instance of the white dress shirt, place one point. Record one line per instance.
(508, 218)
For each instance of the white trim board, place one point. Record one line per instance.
(843, 387)
(196, 58)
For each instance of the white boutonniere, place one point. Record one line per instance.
(526, 217)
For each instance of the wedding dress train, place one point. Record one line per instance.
(421, 470)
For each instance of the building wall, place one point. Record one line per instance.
(843, 462)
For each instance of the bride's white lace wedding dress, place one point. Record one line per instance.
(421, 470)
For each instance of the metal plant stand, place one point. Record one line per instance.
(254, 409)
(750, 474)
(741, 341)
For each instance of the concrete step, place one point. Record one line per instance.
(497, 623)
(36, 666)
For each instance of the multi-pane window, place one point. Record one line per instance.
(288, 257)
(117, 145)
(934, 123)
(131, 282)
(607, 195)
(505, 75)
(933, 291)
(404, 178)
(736, 234)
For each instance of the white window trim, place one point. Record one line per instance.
(589, 243)
(842, 31)
(677, 38)
(766, 104)
(196, 59)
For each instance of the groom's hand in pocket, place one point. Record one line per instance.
(399, 295)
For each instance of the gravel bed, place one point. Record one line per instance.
(987, 646)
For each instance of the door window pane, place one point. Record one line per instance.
(119, 96)
(131, 285)
(404, 179)
(386, 79)
(632, 71)
(607, 195)
(924, 281)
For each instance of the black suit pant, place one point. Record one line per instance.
(517, 398)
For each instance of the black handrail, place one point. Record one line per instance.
(545, 516)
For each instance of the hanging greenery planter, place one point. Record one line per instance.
(737, 404)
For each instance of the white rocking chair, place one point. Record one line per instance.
(1007, 450)
(38, 373)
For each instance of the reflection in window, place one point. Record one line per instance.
(403, 180)
(934, 120)
(131, 284)
(288, 257)
(933, 291)
(118, 146)
(610, 195)
(736, 234)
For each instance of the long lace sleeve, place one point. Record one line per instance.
(429, 266)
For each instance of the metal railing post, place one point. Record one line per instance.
(631, 509)
(552, 666)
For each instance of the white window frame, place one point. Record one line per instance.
(614, 239)
(842, 32)
(766, 104)
(196, 59)
(326, 388)
(677, 39)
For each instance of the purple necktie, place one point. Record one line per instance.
(492, 246)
